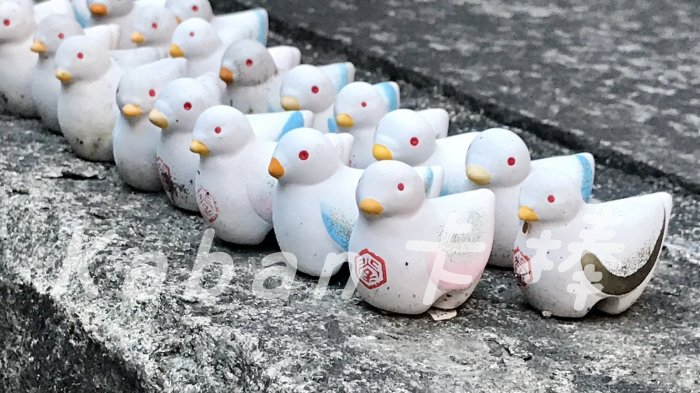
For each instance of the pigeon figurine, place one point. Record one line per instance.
(571, 256)
(178, 106)
(197, 41)
(416, 138)
(234, 192)
(500, 161)
(135, 138)
(50, 33)
(358, 108)
(153, 26)
(228, 25)
(253, 77)
(313, 206)
(313, 88)
(114, 12)
(407, 252)
(87, 109)
(17, 25)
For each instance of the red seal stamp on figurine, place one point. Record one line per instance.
(522, 267)
(370, 269)
(207, 205)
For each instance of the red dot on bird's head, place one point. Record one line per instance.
(195, 8)
(551, 199)
(152, 93)
(187, 106)
(191, 33)
(61, 36)
(81, 55)
(154, 25)
(364, 104)
(303, 155)
(414, 141)
(315, 89)
(6, 22)
(249, 62)
(217, 130)
(511, 161)
(401, 187)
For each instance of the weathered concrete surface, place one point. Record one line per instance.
(55, 340)
(620, 78)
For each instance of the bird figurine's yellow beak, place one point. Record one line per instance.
(39, 47)
(371, 207)
(478, 175)
(98, 9)
(131, 110)
(64, 76)
(527, 214)
(199, 147)
(178, 20)
(158, 119)
(176, 51)
(290, 103)
(344, 120)
(275, 169)
(137, 38)
(381, 152)
(226, 75)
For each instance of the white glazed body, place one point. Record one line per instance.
(177, 166)
(16, 65)
(263, 98)
(87, 112)
(45, 91)
(135, 144)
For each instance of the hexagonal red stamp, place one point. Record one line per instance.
(207, 205)
(522, 267)
(370, 269)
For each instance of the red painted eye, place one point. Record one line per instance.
(364, 104)
(195, 8)
(303, 155)
(81, 55)
(414, 141)
(152, 93)
(61, 36)
(249, 63)
(187, 106)
(191, 33)
(551, 199)
(401, 187)
(217, 130)
(6, 22)
(154, 25)
(511, 161)
(314, 89)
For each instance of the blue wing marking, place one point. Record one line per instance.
(338, 227)
(587, 178)
(296, 120)
(388, 92)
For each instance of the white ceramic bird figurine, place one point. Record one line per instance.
(571, 256)
(500, 161)
(234, 192)
(50, 34)
(416, 139)
(153, 26)
(313, 205)
(197, 41)
(87, 109)
(135, 138)
(178, 106)
(358, 108)
(114, 12)
(313, 88)
(407, 252)
(252, 76)
(227, 25)
(16, 61)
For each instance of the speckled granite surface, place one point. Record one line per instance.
(53, 340)
(621, 78)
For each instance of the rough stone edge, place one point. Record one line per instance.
(85, 363)
(501, 114)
